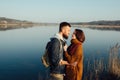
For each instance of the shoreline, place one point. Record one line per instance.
(100, 27)
(27, 25)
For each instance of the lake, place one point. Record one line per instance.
(21, 49)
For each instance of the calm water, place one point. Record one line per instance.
(21, 49)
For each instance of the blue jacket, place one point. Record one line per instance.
(55, 56)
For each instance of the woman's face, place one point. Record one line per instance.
(73, 35)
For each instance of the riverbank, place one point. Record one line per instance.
(100, 27)
(15, 26)
(27, 25)
(8, 23)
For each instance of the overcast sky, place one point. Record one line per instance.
(60, 10)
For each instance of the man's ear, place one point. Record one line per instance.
(63, 29)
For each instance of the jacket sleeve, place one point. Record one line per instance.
(78, 54)
(55, 52)
(68, 57)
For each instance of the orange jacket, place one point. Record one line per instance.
(74, 55)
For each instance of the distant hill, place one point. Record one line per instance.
(7, 23)
(12, 21)
(117, 22)
(103, 22)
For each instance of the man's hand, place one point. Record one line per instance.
(65, 48)
(63, 62)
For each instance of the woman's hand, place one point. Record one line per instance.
(73, 64)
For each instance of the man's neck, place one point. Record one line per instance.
(61, 35)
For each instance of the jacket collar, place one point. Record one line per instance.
(59, 36)
(75, 41)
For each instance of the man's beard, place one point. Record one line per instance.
(65, 36)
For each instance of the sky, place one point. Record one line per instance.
(60, 10)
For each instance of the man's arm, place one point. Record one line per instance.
(55, 52)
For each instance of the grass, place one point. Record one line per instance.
(102, 69)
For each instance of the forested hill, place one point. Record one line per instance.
(12, 21)
(103, 22)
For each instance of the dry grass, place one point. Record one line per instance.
(99, 69)
(114, 64)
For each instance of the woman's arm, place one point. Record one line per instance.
(77, 55)
(67, 56)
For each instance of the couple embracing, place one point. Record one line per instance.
(66, 62)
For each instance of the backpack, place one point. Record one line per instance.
(45, 57)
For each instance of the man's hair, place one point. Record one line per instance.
(63, 24)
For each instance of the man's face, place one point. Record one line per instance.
(66, 32)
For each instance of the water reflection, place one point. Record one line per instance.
(21, 49)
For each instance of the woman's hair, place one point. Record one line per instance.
(80, 35)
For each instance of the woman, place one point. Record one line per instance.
(74, 55)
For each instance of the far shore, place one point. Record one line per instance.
(26, 25)
(101, 27)
(98, 26)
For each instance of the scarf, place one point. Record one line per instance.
(73, 46)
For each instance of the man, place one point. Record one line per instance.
(57, 62)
